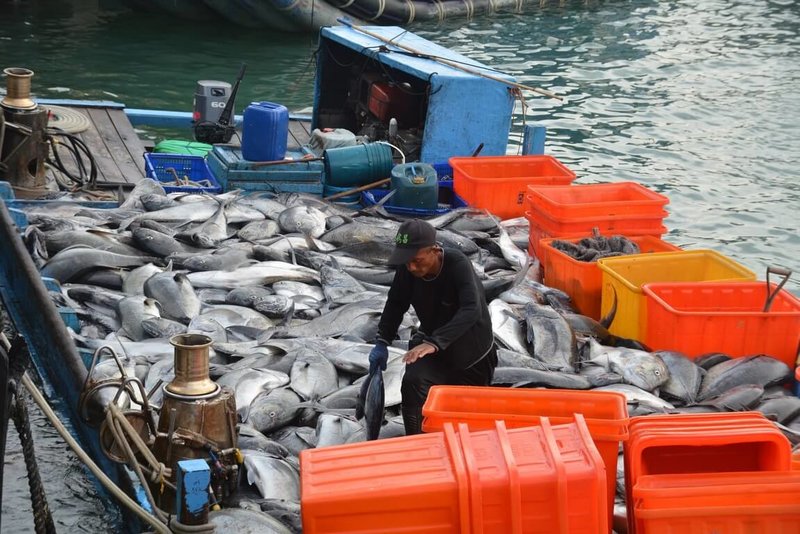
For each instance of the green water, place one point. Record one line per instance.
(696, 99)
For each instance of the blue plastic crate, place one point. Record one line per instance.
(443, 171)
(448, 200)
(193, 167)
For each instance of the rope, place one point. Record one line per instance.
(42, 518)
(67, 120)
(107, 483)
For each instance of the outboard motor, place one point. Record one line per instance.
(23, 146)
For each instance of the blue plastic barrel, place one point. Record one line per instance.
(265, 129)
(352, 166)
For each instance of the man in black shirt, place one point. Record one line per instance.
(454, 344)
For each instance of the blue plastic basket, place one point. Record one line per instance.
(448, 200)
(193, 167)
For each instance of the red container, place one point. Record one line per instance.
(389, 101)
(596, 201)
(543, 227)
(499, 183)
(605, 412)
(701, 443)
(538, 479)
(583, 280)
(762, 502)
(697, 318)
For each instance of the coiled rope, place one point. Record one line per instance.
(107, 483)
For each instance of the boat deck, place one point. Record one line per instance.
(114, 144)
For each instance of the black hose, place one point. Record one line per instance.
(80, 154)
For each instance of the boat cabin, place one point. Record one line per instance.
(387, 84)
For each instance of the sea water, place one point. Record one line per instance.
(696, 99)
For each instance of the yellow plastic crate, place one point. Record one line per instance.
(627, 274)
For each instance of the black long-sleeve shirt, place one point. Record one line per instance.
(451, 308)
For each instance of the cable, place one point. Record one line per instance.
(394, 147)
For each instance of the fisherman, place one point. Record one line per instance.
(454, 344)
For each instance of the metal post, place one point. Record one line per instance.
(191, 496)
(533, 139)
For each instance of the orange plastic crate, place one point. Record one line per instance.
(596, 200)
(499, 183)
(529, 480)
(543, 227)
(762, 502)
(697, 318)
(685, 426)
(624, 276)
(583, 280)
(605, 412)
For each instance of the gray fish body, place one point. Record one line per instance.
(335, 430)
(228, 260)
(248, 295)
(373, 252)
(265, 272)
(339, 320)
(175, 294)
(313, 376)
(258, 230)
(290, 288)
(550, 338)
(162, 327)
(345, 397)
(133, 281)
(341, 288)
(143, 187)
(639, 400)
(210, 232)
(761, 370)
(157, 202)
(637, 368)
(73, 262)
(268, 207)
(157, 243)
(275, 306)
(249, 383)
(303, 219)
(271, 410)
(507, 327)
(58, 241)
(737, 399)
(202, 324)
(296, 438)
(684, 378)
(781, 409)
(360, 232)
(510, 358)
(250, 438)
(527, 377)
(134, 310)
(275, 478)
(228, 315)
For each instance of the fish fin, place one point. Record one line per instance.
(609, 318)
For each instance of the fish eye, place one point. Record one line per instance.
(272, 414)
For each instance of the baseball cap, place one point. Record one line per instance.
(412, 235)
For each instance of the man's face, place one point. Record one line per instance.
(424, 263)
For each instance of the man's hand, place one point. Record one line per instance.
(378, 357)
(420, 351)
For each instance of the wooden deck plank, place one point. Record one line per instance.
(107, 170)
(299, 134)
(115, 146)
(129, 137)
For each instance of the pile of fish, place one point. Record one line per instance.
(596, 247)
(290, 289)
